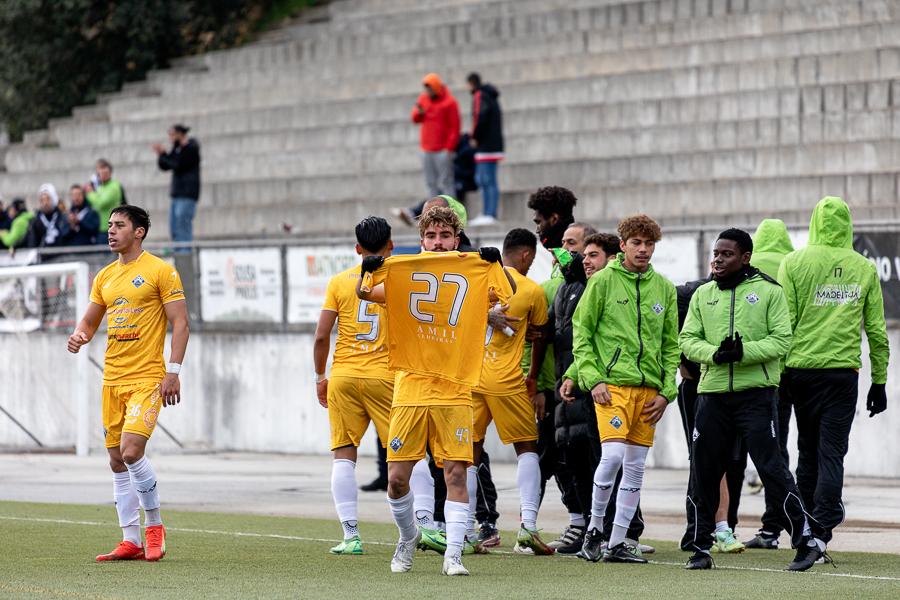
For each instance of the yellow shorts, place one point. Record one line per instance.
(131, 409)
(621, 419)
(513, 415)
(352, 403)
(445, 430)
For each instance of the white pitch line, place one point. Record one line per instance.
(298, 538)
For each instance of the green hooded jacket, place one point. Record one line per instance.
(17, 230)
(625, 331)
(832, 291)
(771, 243)
(757, 310)
(104, 199)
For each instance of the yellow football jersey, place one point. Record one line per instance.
(361, 348)
(437, 305)
(502, 371)
(133, 296)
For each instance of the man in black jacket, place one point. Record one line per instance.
(487, 139)
(576, 422)
(84, 222)
(184, 162)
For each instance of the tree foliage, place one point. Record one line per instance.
(58, 54)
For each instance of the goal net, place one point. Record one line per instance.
(44, 404)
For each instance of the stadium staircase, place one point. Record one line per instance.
(695, 111)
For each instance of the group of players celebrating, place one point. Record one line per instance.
(432, 347)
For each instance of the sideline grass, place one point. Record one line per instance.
(40, 558)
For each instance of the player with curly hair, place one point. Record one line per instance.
(626, 354)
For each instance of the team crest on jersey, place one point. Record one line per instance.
(616, 422)
(137, 281)
(658, 308)
(752, 298)
(396, 444)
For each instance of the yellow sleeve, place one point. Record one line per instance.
(96, 296)
(372, 280)
(498, 283)
(331, 301)
(538, 314)
(169, 284)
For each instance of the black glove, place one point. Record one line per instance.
(371, 264)
(489, 254)
(730, 350)
(876, 401)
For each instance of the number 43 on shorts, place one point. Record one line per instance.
(462, 435)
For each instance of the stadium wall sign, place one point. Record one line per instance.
(883, 250)
(242, 285)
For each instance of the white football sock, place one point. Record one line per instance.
(144, 481)
(343, 490)
(576, 520)
(528, 477)
(402, 510)
(629, 495)
(128, 506)
(457, 515)
(472, 488)
(604, 479)
(722, 526)
(422, 485)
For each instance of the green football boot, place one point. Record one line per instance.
(726, 543)
(352, 546)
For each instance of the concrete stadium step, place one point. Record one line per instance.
(288, 155)
(865, 50)
(853, 112)
(228, 128)
(739, 37)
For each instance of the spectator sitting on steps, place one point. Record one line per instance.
(104, 194)
(20, 220)
(84, 222)
(50, 226)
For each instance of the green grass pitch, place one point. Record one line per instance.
(47, 551)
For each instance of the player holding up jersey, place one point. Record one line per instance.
(361, 385)
(140, 294)
(505, 396)
(436, 303)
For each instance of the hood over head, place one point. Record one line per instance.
(831, 224)
(772, 236)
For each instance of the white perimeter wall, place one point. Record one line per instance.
(256, 393)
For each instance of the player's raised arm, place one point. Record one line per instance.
(365, 288)
(176, 313)
(86, 328)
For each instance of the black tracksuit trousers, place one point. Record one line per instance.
(824, 403)
(750, 415)
(737, 455)
(581, 457)
(771, 523)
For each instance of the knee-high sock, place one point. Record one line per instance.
(143, 478)
(402, 510)
(457, 515)
(472, 488)
(528, 477)
(343, 490)
(629, 495)
(422, 485)
(604, 479)
(128, 506)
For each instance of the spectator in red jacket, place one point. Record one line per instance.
(437, 114)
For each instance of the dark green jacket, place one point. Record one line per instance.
(626, 331)
(757, 310)
(832, 291)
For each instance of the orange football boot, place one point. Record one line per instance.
(156, 542)
(124, 551)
